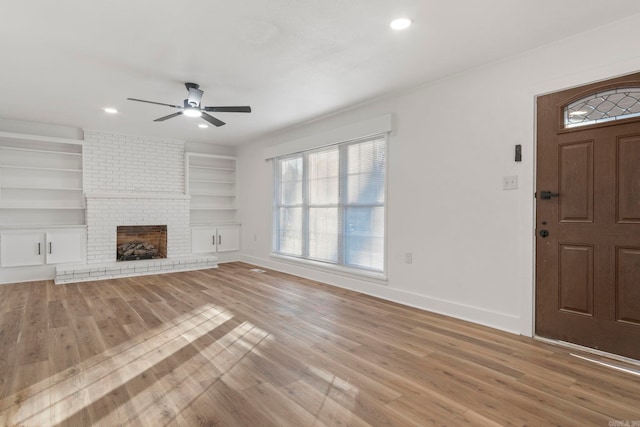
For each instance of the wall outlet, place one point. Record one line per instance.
(510, 182)
(408, 258)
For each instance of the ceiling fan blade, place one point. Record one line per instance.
(170, 116)
(212, 120)
(245, 109)
(157, 103)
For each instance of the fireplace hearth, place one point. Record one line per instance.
(138, 242)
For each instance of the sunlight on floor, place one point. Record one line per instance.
(53, 400)
(155, 376)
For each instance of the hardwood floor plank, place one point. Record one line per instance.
(88, 336)
(278, 407)
(99, 309)
(63, 349)
(122, 311)
(30, 378)
(112, 332)
(76, 303)
(322, 407)
(57, 314)
(230, 347)
(146, 314)
(18, 295)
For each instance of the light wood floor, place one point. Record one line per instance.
(230, 347)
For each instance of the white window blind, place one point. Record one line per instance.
(329, 204)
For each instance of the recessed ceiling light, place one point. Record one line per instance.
(110, 110)
(401, 23)
(202, 126)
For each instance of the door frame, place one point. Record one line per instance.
(529, 319)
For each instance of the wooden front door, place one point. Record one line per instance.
(588, 218)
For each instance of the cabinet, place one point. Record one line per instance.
(40, 180)
(23, 248)
(222, 238)
(210, 180)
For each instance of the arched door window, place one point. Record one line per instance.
(602, 107)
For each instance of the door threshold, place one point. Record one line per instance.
(604, 354)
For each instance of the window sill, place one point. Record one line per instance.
(378, 278)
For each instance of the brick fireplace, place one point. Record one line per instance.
(134, 181)
(106, 212)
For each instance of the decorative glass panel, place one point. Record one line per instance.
(603, 107)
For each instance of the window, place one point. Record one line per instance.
(329, 204)
(602, 107)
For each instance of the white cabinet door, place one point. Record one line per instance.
(65, 246)
(203, 240)
(20, 249)
(228, 238)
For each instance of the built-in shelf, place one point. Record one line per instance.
(211, 209)
(19, 187)
(40, 168)
(213, 168)
(205, 224)
(213, 181)
(43, 207)
(40, 181)
(204, 193)
(39, 151)
(210, 181)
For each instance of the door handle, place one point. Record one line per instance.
(544, 233)
(547, 195)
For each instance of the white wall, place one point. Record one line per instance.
(453, 141)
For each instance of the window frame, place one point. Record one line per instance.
(340, 265)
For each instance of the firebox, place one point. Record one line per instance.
(135, 242)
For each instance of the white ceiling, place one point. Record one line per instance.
(62, 61)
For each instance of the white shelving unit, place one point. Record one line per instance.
(40, 181)
(211, 183)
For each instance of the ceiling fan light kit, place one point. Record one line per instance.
(191, 107)
(192, 112)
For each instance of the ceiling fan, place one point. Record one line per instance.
(192, 107)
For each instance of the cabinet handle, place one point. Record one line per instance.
(213, 240)
(50, 248)
(219, 239)
(39, 244)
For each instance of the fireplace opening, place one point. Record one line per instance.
(135, 242)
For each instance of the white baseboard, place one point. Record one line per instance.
(501, 321)
(26, 274)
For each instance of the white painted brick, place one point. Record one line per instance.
(132, 164)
